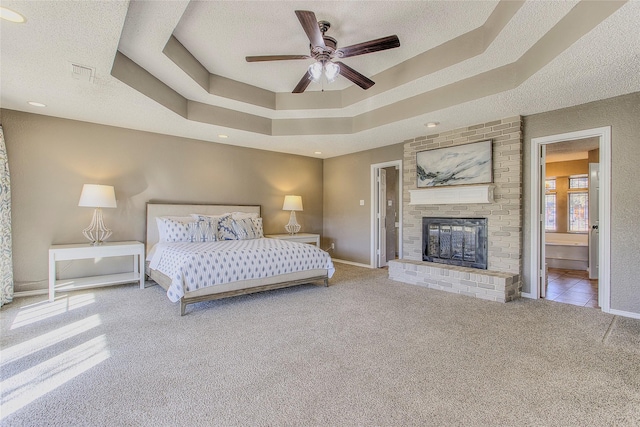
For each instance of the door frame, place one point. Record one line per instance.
(374, 205)
(604, 210)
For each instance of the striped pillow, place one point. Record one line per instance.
(248, 228)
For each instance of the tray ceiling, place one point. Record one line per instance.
(178, 67)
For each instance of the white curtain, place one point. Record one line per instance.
(6, 258)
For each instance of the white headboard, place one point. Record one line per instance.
(155, 210)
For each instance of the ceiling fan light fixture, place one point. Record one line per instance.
(331, 70)
(315, 71)
(323, 49)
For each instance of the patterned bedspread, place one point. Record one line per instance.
(193, 266)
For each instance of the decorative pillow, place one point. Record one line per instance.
(258, 224)
(225, 228)
(214, 220)
(247, 228)
(204, 231)
(174, 229)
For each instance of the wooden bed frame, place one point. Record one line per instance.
(155, 210)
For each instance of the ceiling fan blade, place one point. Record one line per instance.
(303, 83)
(376, 45)
(275, 57)
(351, 74)
(310, 26)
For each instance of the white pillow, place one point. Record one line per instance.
(258, 224)
(174, 228)
(200, 217)
(243, 215)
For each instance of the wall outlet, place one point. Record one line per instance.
(333, 246)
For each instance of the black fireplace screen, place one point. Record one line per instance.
(455, 241)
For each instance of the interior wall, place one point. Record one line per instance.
(51, 158)
(347, 181)
(621, 113)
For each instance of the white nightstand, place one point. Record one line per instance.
(85, 251)
(298, 237)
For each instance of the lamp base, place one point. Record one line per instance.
(292, 227)
(97, 232)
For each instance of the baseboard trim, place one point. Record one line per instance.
(624, 313)
(30, 293)
(357, 264)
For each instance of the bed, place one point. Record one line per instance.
(224, 268)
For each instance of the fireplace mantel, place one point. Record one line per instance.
(454, 195)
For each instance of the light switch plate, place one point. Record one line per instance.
(361, 202)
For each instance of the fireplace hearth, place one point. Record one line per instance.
(455, 241)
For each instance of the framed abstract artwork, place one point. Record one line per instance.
(458, 165)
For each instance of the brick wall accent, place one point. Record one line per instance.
(504, 214)
(484, 284)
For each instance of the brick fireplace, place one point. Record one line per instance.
(502, 210)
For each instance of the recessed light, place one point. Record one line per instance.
(223, 136)
(11, 16)
(36, 104)
(432, 124)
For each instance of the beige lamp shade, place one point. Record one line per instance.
(292, 203)
(97, 196)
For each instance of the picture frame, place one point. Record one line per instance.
(458, 165)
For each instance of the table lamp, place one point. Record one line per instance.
(98, 197)
(293, 204)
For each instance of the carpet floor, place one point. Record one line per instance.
(364, 351)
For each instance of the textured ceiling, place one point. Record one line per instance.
(459, 63)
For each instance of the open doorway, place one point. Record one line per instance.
(560, 220)
(571, 222)
(386, 213)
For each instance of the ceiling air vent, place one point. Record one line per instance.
(82, 72)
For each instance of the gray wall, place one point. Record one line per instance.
(623, 115)
(347, 180)
(51, 158)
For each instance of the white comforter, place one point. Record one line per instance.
(193, 266)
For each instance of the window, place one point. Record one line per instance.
(578, 181)
(578, 212)
(578, 201)
(550, 222)
(550, 184)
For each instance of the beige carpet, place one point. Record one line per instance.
(365, 351)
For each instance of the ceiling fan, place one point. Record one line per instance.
(324, 50)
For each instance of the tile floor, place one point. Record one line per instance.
(572, 287)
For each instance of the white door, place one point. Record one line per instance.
(382, 218)
(594, 220)
(543, 211)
